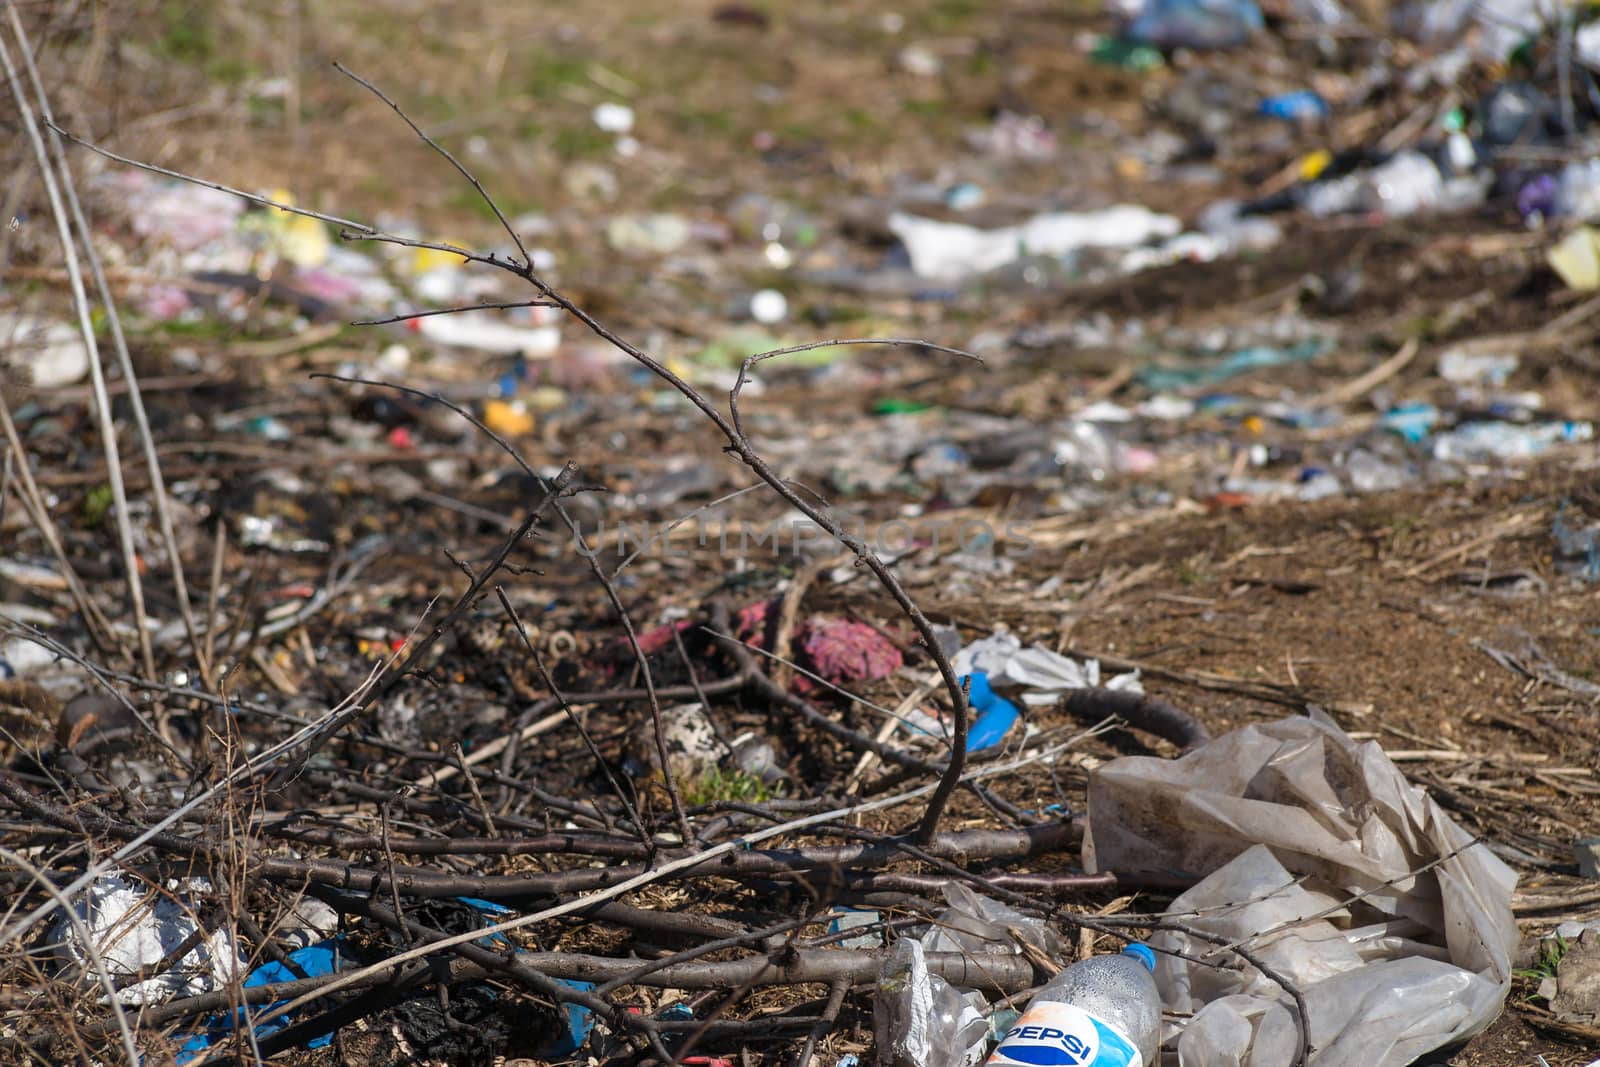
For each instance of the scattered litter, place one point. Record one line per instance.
(51, 354)
(844, 652)
(1104, 1009)
(1196, 23)
(1576, 258)
(947, 250)
(136, 926)
(920, 1020)
(1297, 819)
(1481, 441)
(768, 307)
(614, 118)
(1300, 106)
(1043, 674)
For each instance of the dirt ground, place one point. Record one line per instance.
(1439, 619)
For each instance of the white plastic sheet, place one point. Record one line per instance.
(1308, 841)
(1045, 675)
(135, 926)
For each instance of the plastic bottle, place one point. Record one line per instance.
(1100, 1012)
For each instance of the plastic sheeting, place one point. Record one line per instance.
(1308, 841)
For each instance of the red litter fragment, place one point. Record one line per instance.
(659, 640)
(843, 651)
(753, 622)
(838, 650)
(400, 437)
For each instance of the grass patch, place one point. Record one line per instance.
(1550, 953)
(545, 73)
(582, 141)
(719, 785)
(1196, 570)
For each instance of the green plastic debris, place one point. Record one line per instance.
(895, 405)
(1126, 55)
(1211, 370)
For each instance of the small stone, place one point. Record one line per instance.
(1577, 993)
(1588, 853)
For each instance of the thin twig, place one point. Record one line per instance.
(119, 344)
(407, 316)
(80, 301)
(90, 948)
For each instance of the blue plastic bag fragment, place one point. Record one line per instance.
(996, 715)
(315, 960)
(1413, 421)
(1196, 23)
(1298, 106)
(576, 1018)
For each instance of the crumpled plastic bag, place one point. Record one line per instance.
(1043, 673)
(1289, 821)
(921, 1020)
(134, 926)
(975, 924)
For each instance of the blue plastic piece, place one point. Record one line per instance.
(485, 905)
(1411, 421)
(996, 715)
(1210, 371)
(577, 1019)
(1297, 106)
(1143, 953)
(315, 960)
(1196, 23)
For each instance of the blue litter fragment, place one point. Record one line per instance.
(676, 1013)
(1196, 23)
(1412, 422)
(492, 913)
(1213, 370)
(577, 1019)
(1295, 107)
(850, 919)
(996, 715)
(485, 905)
(315, 960)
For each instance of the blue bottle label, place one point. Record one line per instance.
(1064, 1035)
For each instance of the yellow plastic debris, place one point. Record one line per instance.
(509, 417)
(425, 259)
(1577, 259)
(1314, 163)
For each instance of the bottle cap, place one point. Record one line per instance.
(1143, 953)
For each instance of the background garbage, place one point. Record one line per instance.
(1235, 449)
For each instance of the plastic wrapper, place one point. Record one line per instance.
(1043, 674)
(920, 1020)
(1308, 841)
(975, 924)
